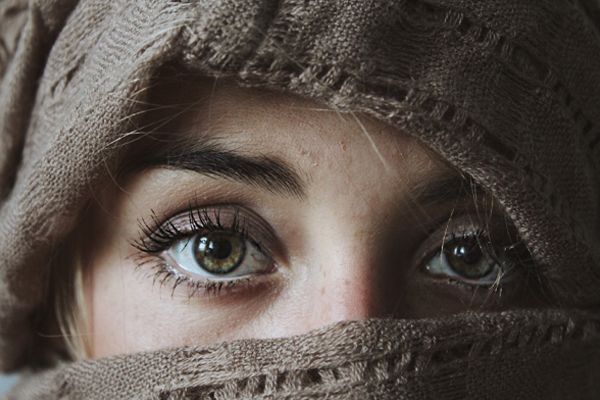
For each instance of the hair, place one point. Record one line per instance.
(66, 316)
(70, 304)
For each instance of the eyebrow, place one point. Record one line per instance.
(448, 188)
(279, 177)
(262, 171)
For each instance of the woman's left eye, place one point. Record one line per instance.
(218, 255)
(468, 259)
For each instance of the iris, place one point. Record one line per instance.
(219, 253)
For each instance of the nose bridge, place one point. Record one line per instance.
(349, 276)
(348, 291)
(347, 229)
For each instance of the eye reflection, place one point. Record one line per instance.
(219, 253)
(467, 259)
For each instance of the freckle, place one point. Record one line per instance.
(343, 146)
(346, 282)
(323, 290)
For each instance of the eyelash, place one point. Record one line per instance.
(484, 238)
(157, 237)
(516, 265)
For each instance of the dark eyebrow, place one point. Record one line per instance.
(279, 177)
(444, 189)
(262, 171)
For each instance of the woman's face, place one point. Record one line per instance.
(246, 214)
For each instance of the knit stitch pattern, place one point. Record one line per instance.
(513, 355)
(507, 91)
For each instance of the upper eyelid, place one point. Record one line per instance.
(466, 219)
(160, 235)
(458, 225)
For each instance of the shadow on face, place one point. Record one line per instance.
(249, 214)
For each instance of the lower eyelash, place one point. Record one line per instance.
(158, 237)
(165, 275)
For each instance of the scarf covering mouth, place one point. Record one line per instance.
(513, 355)
(507, 91)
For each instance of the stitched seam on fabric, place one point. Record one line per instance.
(393, 366)
(513, 56)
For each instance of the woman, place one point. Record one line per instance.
(300, 199)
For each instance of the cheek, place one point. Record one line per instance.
(113, 299)
(132, 310)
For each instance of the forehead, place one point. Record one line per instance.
(192, 111)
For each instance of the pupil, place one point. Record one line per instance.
(469, 253)
(219, 252)
(469, 259)
(218, 248)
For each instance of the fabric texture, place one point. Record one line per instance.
(545, 355)
(507, 91)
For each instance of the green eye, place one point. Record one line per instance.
(219, 253)
(466, 259)
(469, 259)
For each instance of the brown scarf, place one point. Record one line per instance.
(525, 355)
(506, 90)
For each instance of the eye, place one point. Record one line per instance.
(469, 259)
(218, 255)
(209, 248)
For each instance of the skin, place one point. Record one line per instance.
(353, 246)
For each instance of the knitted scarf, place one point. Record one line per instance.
(508, 91)
(526, 355)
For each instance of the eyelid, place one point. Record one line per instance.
(160, 235)
(494, 228)
(263, 267)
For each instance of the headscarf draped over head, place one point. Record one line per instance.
(508, 91)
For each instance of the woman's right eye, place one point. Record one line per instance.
(218, 255)
(209, 248)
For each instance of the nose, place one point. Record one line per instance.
(346, 288)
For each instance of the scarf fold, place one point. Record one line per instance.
(513, 355)
(508, 91)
